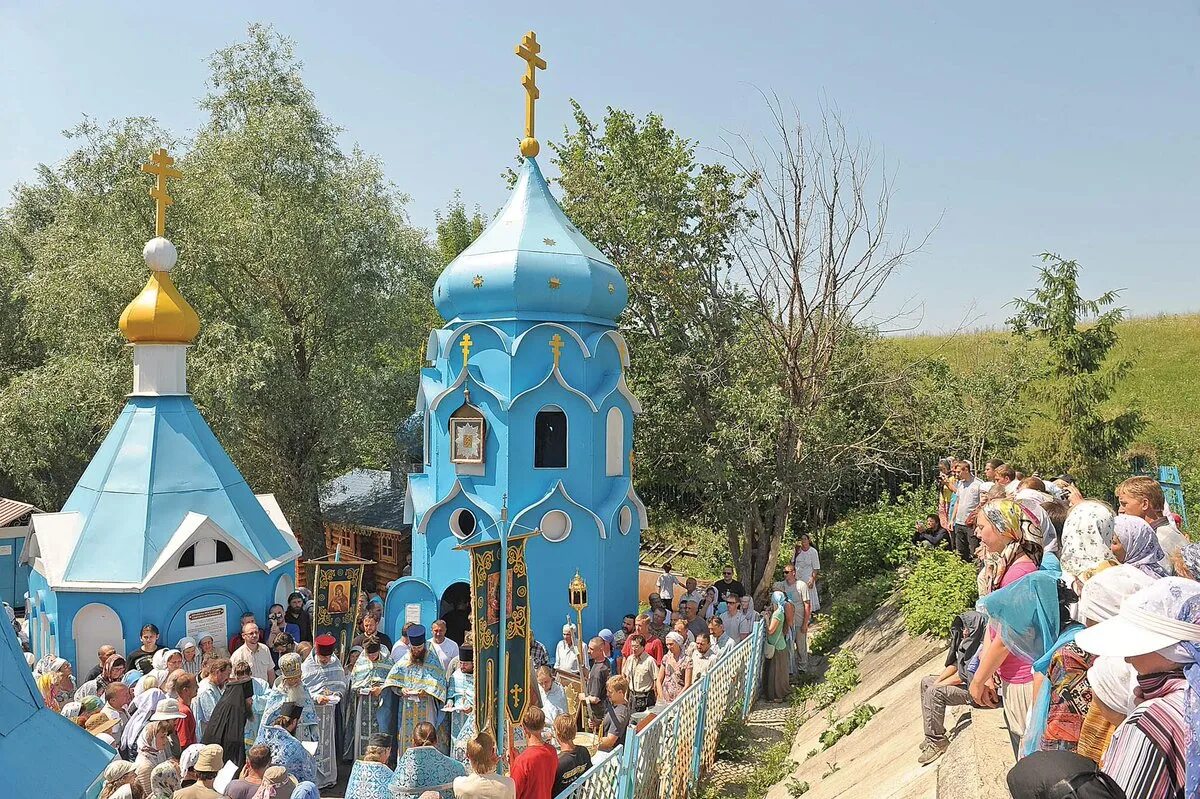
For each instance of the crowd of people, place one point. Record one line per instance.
(1086, 633)
(273, 712)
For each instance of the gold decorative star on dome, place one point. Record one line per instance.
(477, 281)
(554, 282)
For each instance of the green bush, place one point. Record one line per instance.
(936, 589)
(872, 541)
(841, 677)
(839, 730)
(848, 610)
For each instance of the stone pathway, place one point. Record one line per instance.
(768, 725)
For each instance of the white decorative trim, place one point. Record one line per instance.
(456, 334)
(483, 507)
(643, 519)
(557, 375)
(559, 488)
(618, 340)
(462, 378)
(622, 388)
(587, 353)
(433, 346)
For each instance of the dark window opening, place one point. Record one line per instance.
(550, 440)
(188, 558)
(224, 553)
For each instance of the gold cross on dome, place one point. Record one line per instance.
(465, 345)
(556, 344)
(161, 166)
(528, 51)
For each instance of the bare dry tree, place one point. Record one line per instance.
(813, 261)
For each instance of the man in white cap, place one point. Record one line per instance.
(566, 654)
(1156, 750)
(208, 764)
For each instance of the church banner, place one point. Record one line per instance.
(518, 669)
(485, 610)
(336, 585)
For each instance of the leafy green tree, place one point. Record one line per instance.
(1083, 430)
(456, 229)
(312, 289)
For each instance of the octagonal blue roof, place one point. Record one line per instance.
(159, 462)
(531, 263)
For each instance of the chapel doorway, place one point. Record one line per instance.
(455, 610)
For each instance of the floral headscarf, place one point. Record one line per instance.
(1086, 536)
(1142, 549)
(1017, 522)
(164, 781)
(1190, 555)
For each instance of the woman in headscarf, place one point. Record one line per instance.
(116, 774)
(164, 781)
(1155, 752)
(776, 685)
(191, 660)
(56, 685)
(165, 662)
(675, 674)
(1061, 775)
(140, 711)
(1086, 539)
(1135, 544)
(1186, 562)
(209, 649)
(1113, 682)
(227, 726)
(1005, 528)
(297, 615)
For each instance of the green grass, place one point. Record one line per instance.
(1164, 351)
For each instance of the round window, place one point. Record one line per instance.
(462, 523)
(625, 520)
(555, 525)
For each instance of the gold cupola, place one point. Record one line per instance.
(160, 314)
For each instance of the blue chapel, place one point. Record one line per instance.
(528, 421)
(161, 523)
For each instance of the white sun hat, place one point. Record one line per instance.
(1149, 621)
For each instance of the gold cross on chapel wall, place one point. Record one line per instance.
(556, 344)
(161, 166)
(465, 344)
(528, 51)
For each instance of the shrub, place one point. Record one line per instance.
(841, 677)
(872, 541)
(937, 588)
(840, 729)
(849, 610)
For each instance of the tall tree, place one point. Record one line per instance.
(312, 287)
(456, 229)
(1083, 430)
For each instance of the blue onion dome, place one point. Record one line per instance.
(531, 263)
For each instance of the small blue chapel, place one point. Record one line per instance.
(528, 421)
(161, 523)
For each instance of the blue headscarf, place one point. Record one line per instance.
(1142, 549)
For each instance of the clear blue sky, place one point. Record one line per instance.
(1014, 128)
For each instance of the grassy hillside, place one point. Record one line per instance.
(1165, 351)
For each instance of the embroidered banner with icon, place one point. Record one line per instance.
(485, 622)
(336, 585)
(518, 670)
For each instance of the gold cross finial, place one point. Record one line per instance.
(161, 165)
(528, 50)
(556, 344)
(465, 345)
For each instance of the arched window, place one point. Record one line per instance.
(550, 439)
(204, 553)
(188, 558)
(224, 553)
(614, 447)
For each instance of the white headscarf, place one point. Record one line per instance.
(1112, 681)
(1086, 536)
(1103, 594)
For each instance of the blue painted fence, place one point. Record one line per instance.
(666, 758)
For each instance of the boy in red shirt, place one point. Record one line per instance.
(534, 768)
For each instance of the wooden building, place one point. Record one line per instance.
(363, 512)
